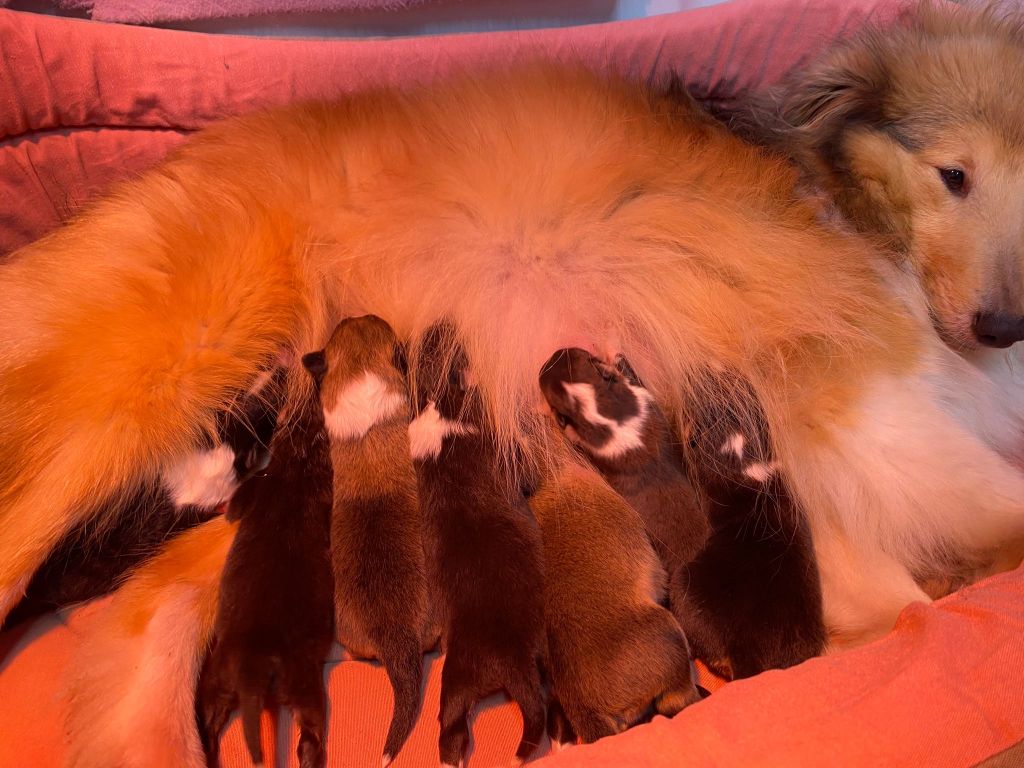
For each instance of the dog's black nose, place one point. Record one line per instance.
(997, 329)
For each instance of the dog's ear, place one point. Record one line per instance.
(848, 87)
(316, 364)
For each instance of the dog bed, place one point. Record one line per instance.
(83, 104)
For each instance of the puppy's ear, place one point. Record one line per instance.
(623, 367)
(316, 364)
(400, 358)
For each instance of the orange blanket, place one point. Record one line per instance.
(944, 690)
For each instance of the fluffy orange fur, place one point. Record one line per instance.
(131, 686)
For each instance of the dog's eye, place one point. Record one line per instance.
(955, 180)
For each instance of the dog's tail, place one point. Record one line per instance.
(124, 334)
(525, 691)
(403, 659)
(251, 708)
(132, 687)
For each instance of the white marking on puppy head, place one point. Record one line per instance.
(428, 431)
(203, 478)
(626, 436)
(734, 444)
(760, 472)
(365, 402)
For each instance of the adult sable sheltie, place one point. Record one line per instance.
(536, 209)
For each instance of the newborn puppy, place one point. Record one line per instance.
(487, 574)
(753, 596)
(380, 590)
(613, 650)
(274, 623)
(607, 413)
(92, 559)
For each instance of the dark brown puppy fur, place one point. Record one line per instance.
(381, 604)
(749, 598)
(90, 562)
(274, 623)
(488, 572)
(613, 650)
(752, 598)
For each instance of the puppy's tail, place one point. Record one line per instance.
(132, 686)
(403, 661)
(251, 708)
(525, 691)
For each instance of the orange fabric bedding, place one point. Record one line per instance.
(944, 690)
(83, 104)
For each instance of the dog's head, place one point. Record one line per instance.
(917, 131)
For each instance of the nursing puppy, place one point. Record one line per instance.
(381, 604)
(747, 597)
(487, 570)
(614, 653)
(605, 410)
(752, 597)
(274, 623)
(90, 563)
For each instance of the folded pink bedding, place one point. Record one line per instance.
(159, 11)
(83, 104)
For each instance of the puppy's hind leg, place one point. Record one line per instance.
(307, 701)
(560, 730)
(457, 698)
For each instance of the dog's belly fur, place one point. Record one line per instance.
(624, 223)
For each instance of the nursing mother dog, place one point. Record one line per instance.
(535, 209)
(915, 133)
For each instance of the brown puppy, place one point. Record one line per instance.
(748, 597)
(91, 561)
(274, 623)
(612, 649)
(487, 573)
(380, 590)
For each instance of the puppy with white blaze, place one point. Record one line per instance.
(538, 208)
(382, 610)
(487, 564)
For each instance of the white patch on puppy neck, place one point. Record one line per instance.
(203, 478)
(733, 444)
(627, 436)
(428, 431)
(760, 472)
(362, 404)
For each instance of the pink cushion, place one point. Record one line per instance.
(84, 103)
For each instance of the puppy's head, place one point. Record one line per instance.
(918, 133)
(360, 375)
(602, 408)
(442, 374)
